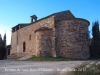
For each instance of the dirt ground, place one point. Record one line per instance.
(9, 67)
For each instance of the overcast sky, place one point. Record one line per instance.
(13, 12)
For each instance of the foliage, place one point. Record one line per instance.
(2, 47)
(95, 30)
(91, 70)
(34, 58)
(95, 41)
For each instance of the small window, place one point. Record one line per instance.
(24, 46)
(29, 37)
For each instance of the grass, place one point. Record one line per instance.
(34, 58)
(92, 70)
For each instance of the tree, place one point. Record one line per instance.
(95, 30)
(99, 34)
(95, 43)
(0, 39)
(4, 40)
(2, 47)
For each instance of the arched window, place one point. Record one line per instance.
(24, 46)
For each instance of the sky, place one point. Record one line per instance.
(13, 12)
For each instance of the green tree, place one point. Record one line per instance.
(0, 39)
(2, 47)
(95, 43)
(4, 39)
(95, 30)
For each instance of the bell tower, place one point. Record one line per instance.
(33, 18)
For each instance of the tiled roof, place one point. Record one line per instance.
(64, 15)
(58, 16)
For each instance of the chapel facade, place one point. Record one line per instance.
(58, 35)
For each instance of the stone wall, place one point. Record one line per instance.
(44, 43)
(13, 43)
(27, 34)
(72, 38)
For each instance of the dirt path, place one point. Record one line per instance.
(8, 67)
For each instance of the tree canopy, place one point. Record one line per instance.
(95, 41)
(2, 47)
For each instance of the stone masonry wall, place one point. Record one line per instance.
(27, 34)
(71, 38)
(13, 43)
(44, 43)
